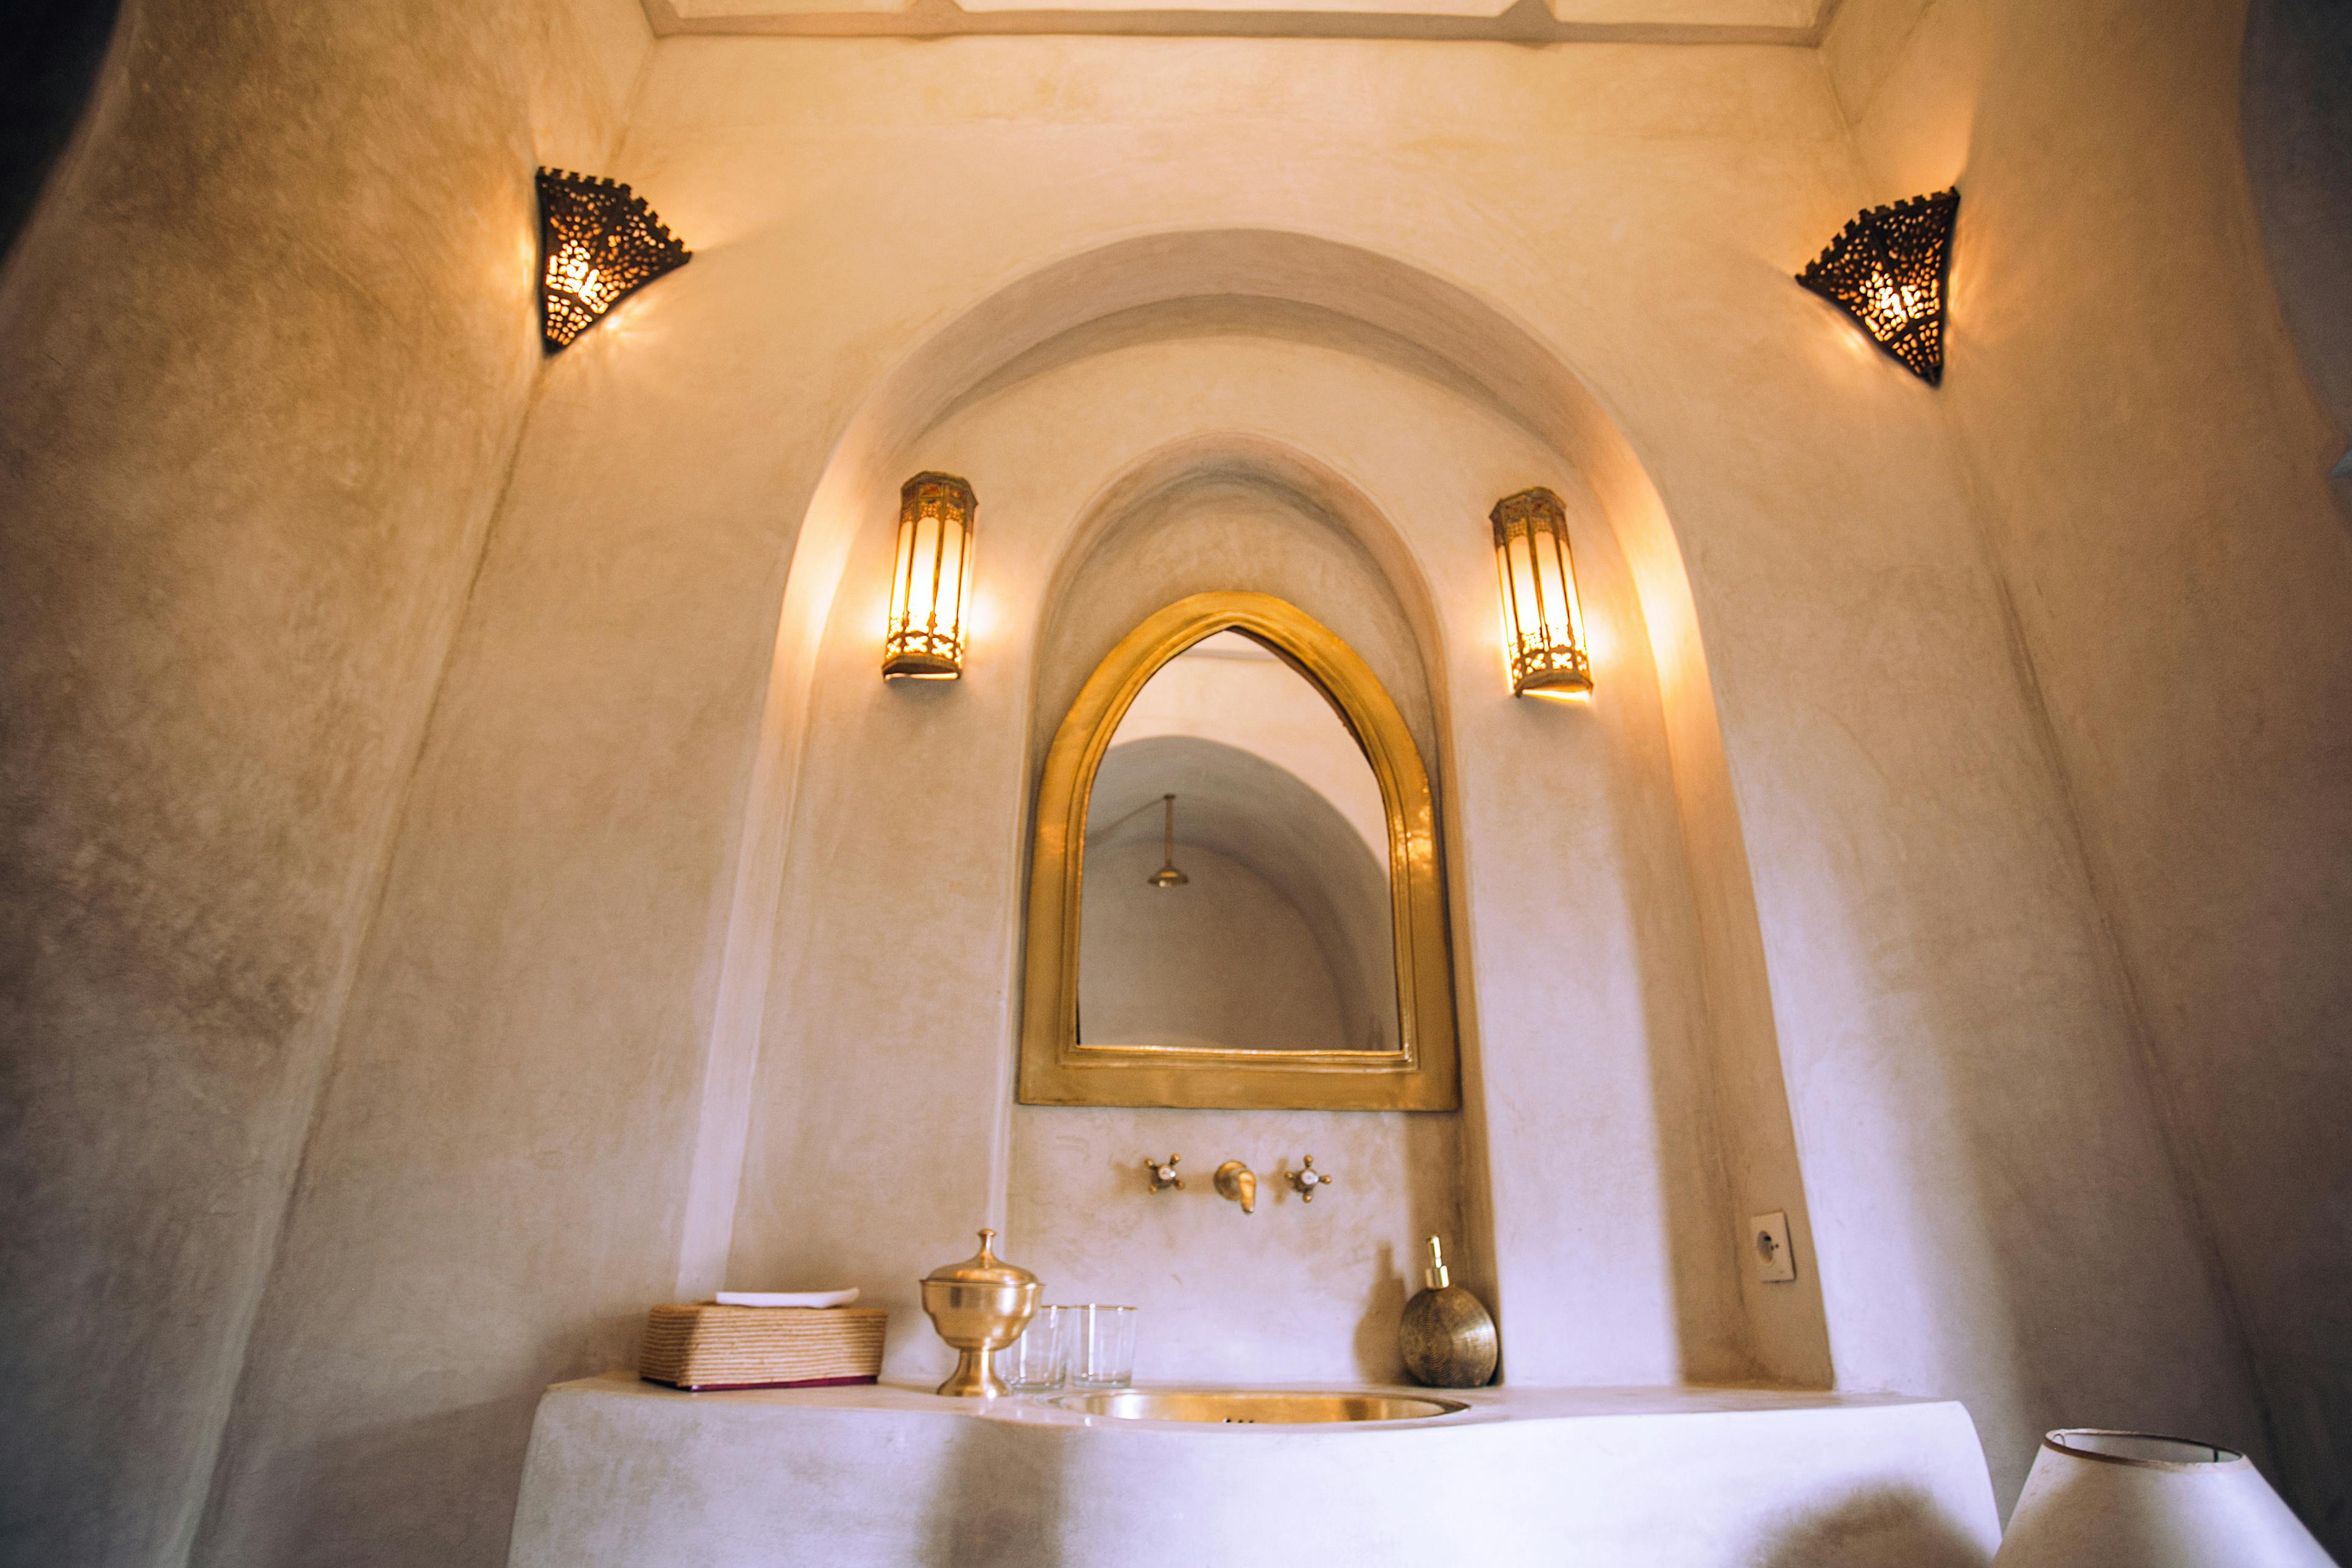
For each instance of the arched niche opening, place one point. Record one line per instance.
(1315, 1290)
(1719, 1113)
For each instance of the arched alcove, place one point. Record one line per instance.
(1094, 597)
(1313, 297)
(1314, 1291)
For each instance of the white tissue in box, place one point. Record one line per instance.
(786, 1298)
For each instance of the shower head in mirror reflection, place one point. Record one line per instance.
(1168, 875)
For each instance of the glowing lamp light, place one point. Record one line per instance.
(601, 243)
(1888, 271)
(1543, 625)
(924, 639)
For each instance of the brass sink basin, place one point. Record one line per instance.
(1269, 1407)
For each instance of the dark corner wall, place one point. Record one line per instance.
(2150, 378)
(48, 67)
(2295, 112)
(268, 340)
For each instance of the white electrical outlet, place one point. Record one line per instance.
(1767, 1245)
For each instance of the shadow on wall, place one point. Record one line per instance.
(1898, 1528)
(338, 1513)
(46, 76)
(1383, 1319)
(1003, 1502)
(2295, 125)
(461, 1465)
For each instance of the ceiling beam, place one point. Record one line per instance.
(1526, 22)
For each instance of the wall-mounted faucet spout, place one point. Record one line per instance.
(1239, 1183)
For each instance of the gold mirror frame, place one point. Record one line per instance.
(1421, 1074)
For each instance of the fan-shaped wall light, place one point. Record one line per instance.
(924, 639)
(1887, 271)
(1543, 625)
(598, 243)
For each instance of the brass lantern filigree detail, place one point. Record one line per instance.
(1543, 623)
(924, 639)
(1888, 271)
(598, 243)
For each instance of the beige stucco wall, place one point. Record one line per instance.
(269, 341)
(553, 975)
(1897, 834)
(2149, 460)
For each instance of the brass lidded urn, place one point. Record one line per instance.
(979, 1305)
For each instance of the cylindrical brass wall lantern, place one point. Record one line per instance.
(1543, 625)
(924, 639)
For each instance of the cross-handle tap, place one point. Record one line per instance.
(1239, 1183)
(1163, 1172)
(1306, 1180)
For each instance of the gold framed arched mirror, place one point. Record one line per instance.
(1235, 897)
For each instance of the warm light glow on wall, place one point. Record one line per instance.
(929, 581)
(1887, 271)
(599, 242)
(1543, 625)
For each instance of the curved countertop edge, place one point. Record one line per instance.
(1503, 1402)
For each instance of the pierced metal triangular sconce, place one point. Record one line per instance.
(1887, 271)
(598, 243)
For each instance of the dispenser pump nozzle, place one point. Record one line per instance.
(1435, 1273)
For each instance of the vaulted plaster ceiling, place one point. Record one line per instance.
(1798, 22)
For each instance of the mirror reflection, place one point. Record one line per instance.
(1235, 892)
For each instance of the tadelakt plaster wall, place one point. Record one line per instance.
(2149, 459)
(2294, 116)
(269, 341)
(1921, 1284)
(554, 938)
(548, 1052)
(1312, 1290)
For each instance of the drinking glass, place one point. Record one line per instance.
(1034, 1363)
(1102, 1345)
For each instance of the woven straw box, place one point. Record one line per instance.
(698, 1344)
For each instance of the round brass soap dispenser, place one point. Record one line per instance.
(979, 1305)
(1448, 1335)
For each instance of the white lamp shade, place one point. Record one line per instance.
(2130, 1500)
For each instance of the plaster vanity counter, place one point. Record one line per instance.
(625, 1474)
